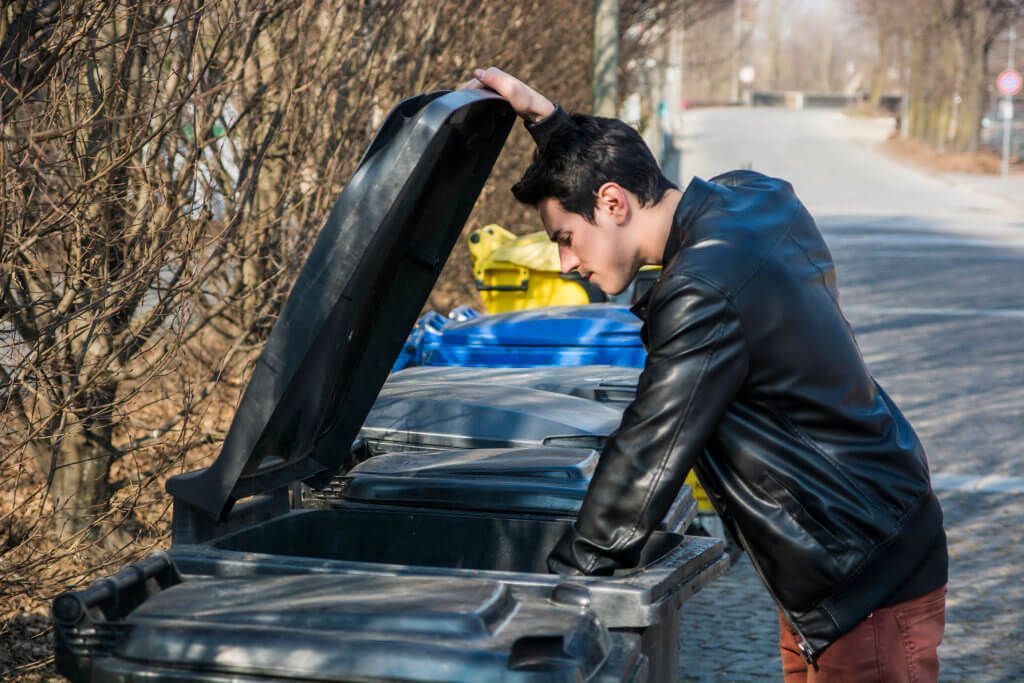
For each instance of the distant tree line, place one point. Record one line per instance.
(942, 49)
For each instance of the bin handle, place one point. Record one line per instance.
(521, 287)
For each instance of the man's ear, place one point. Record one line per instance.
(614, 199)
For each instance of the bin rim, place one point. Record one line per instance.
(637, 595)
(584, 325)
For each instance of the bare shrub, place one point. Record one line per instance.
(165, 166)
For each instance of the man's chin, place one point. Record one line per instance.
(613, 291)
(613, 288)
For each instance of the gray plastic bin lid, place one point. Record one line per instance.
(602, 383)
(355, 299)
(365, 628)
(543, 481)
(538, 480)
(472, 415)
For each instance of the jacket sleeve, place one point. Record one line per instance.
(542, 130)
(696, 363)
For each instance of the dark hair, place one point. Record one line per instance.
(578, 160)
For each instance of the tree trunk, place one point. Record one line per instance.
(931, 123)
(81, 488)
(774, 44)
(972, 105)
(942, 114)
(824, 83)
(881, 69)
(605, 68)
(917, 125)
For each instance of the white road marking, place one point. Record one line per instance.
(990, 483)
(923, 240)
(1012, 313)
(961, 258)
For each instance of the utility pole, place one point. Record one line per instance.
(1008, 107)
(658, 121)
(737, 38)
(905, 100)
(774, 43)
(674, 74)
(605, 66)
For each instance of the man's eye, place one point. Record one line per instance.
(565, 240)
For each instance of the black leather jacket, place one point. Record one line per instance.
(754, 377)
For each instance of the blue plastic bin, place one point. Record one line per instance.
(593, 334)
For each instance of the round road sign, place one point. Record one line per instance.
(1008, 83)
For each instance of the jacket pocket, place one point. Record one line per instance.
(825, 538)
(798, 565)
(786, 542)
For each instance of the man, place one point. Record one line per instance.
(754, 378)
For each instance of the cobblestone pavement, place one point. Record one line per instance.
(729, 630)
(931, 276)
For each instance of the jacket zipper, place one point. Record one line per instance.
(809, 653)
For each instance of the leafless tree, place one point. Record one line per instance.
(164, 167)
(974, 26)
(942, 49)
(644, 46)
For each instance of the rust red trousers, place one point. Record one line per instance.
(895, 644)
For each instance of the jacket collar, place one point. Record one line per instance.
(690, 206)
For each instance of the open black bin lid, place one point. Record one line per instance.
(358, 294)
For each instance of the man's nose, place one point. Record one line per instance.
(568, 260)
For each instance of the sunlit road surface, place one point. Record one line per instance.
(931, 274)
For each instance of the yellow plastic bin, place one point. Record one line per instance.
(703, 502)
(514, 272)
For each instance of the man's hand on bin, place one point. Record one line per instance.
(525, 101)
(574, 555)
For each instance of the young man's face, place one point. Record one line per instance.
(601, 252)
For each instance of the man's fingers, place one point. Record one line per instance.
(505, 85)
(526, 101)
(489, 73)
(495, 78)
(471, 84)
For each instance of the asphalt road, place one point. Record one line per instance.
(931, 274)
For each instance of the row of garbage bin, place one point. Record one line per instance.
(490, 439)
(542, 339)
(357, 530)
(460, 470)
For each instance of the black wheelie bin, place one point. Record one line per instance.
(246, 567)
(539, 444)
(492, 402)
(150, 623)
